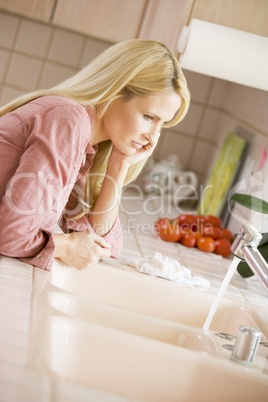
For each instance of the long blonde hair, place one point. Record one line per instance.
(130, 68)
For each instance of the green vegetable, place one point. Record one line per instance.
(250, 202)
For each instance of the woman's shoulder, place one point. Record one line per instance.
(52, 101)
(60, 107)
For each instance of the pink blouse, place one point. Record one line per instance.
(44, 155)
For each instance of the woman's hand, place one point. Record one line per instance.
(79, 249)
(138, 156)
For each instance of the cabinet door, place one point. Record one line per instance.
(40, 10)
(250, 16)
(113, 21)
(164, 20)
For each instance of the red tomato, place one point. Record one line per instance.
(212, 231)
(212, 220)
(170, 232)
(158, 224)
(227, 234)
(199, 222)
(189, 240)
(200, 218)
(223, 247)
(198, 235)
(206, 244)
(187, 221)
(185, 229)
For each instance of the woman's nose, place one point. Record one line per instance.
(154, 134)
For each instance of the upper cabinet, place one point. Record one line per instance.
(246, 15)
(116, 20)
(111, 20)
(163, 20)
(36, 9)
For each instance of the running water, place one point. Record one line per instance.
(224, 285)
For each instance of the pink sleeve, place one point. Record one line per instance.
(55, 143)
(115, 238)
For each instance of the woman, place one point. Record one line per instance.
(66, 152)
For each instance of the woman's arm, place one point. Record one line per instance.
(106, 207)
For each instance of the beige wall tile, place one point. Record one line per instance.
(249, 105)
(173, 143)
(209, 129)
(53, 74)
(92, 49)
(33, 38)
(8, 29)
(190, 124)
(4, 55)
(66, 47)
(8, 94)
(217, 93)
(199, 85)
(201, 156)
(23, 71)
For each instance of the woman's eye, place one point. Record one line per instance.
(147, 117)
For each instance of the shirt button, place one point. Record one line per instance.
(39, 257)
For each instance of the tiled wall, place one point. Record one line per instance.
(35, 55)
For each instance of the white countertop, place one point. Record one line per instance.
(19, 381)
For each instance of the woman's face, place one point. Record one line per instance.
(134, 123)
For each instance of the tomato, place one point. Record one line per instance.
(188, 240)
(223, 247)
(200, 218)
(198, 235)
(185, 229)
(227, 234)
(206, 244)
(170, 232)
(187, 221)
(199, 222)
(212, 231)
(213, 220)
(158, 224)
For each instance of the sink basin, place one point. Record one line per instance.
(132, 322)
(141, 337)
(127, 289)
(143, 368)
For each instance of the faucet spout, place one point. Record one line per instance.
(245, 248)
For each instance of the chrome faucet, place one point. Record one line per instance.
(245, 247)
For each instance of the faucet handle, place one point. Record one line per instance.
(248, 236)
(246, 345)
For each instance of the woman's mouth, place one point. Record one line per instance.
(137, 145)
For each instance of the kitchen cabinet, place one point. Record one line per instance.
(163, 20)
(114, 20)
(36, 9)
(246, 15)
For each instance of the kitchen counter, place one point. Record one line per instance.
(23, 377)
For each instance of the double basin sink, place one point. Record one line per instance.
(130, 334)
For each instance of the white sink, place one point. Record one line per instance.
(141, 337)
(129, 290)
(132, 322)
(144, 368)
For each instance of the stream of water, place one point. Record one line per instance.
(223, 287)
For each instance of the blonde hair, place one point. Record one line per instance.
(130, 68)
